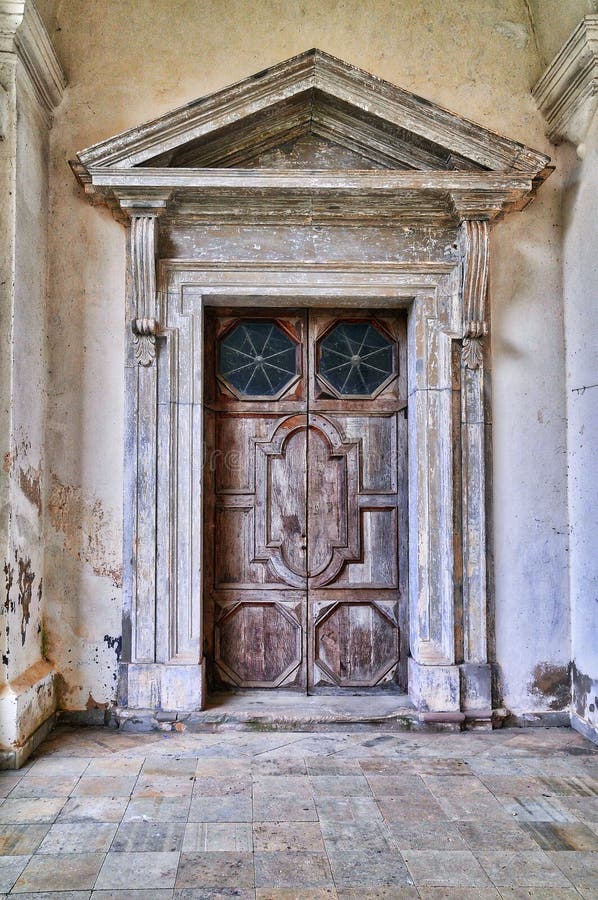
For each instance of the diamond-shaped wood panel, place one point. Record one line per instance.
(356, 644)
(258, 644)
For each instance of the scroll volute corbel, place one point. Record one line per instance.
(474, 243)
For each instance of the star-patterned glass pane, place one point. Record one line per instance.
(257, 358)
(356, 358)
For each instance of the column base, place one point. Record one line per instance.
(434, 688)
(162, 686)
(27, 710)
(476, 687)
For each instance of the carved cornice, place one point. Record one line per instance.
(567, 93)
(474, 242)
(322, 195)
(22, 32)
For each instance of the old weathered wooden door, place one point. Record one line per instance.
(306, 518)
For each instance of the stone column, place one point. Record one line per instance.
(475, 670)
(152, 676)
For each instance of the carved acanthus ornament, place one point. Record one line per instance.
(144, 326)
(474, 239)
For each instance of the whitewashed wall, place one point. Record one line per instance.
(133, 60)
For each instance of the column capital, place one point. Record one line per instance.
(23, 33)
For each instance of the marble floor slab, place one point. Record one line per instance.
(98, 814)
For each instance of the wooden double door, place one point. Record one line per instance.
(305, 501)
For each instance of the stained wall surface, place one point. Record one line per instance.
(581, 332)
(133, 60)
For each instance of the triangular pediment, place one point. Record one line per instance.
(314, 112)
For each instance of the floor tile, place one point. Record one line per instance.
(584, 808)
(297, 786)
(93, 809)
(30, 811)
(427, 836)
(280, 836)
(411, 810)
(21, 840)
(411, 786)
(231, 768)
(381, 892)
(173, 767)
(539, 809)
(364, 836)
(261, 767)
(340, 786)
(232, 808)
(156, 786)
(219, 869)
(562, 835)
(120, 894)
(445, 868)
(114, 765)
(580, 868)
(10, 869)
(130, 870)
(221, 786)
(69, 766)
(44, 786)
(9, 780)
(103, 786)
(540, 893)
(489, 835)
(331, 765)
(370, 869)
(344, 809)
(217, 836)
(382, 766)
(60, 872)
(533, 868)
(165, 809)
(164, 837)
(222, 893)
(284, 809)
(325, 893)
(292, 869)
(460, 893)
(78, 837)
(55, 895)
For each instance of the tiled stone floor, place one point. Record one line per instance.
(102, 814)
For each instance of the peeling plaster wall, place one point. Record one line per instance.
(142, 58)
(581, 331)
(27, 684)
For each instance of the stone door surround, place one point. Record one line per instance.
(311, 184)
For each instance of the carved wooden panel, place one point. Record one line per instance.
(303, 563)
(355, 644)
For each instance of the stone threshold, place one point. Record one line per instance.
(261, 711)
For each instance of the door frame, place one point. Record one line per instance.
(448, 665)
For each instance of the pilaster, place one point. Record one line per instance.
(475, 671)
(31, 83)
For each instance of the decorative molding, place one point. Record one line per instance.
(474, 241)
(567, 93)
(143, 244)
(145, 332)
(291, 93)
(203, 195)
(22, 32)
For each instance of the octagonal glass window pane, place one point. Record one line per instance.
(257, 358)
(356, 358)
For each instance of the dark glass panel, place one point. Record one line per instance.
(356, 358)
(257, 358)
